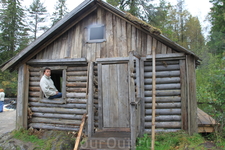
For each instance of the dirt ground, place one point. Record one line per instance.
(7, 120)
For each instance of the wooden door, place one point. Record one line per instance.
(115, 96)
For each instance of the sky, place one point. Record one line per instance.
(195, 7)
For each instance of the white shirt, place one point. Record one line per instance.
(47, 86)
(2, 96)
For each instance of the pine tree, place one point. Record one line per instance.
(193, 33)
(156, 15)
(60, 11)
(37, 15)
(13, 35)
(13, 38)
(217, 19)
(132, 6)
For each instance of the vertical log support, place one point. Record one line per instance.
(100, 101)
(153, 97)
(138, 97)
(184, 96)
(90, 100)
(22, 97)
(142, 90)
(191, 95)
(64, 86)
(132, 100)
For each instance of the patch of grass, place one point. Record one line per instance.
(143, 143)
(24, 135)
(217, 138)
(221, 144)
(52, 139)
(170, 141)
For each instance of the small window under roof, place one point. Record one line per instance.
(96, 33)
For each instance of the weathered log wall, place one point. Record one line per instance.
(121, 37)
(66, 115)
(58, 114)
(168, 100)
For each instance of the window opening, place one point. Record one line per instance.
(56, 76)
(96, 33)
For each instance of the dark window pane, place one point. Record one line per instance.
(96, 33)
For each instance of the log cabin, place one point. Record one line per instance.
(102, 61)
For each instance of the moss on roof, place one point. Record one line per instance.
(143, 24)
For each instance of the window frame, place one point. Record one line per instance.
(63, 90)
(89, 33)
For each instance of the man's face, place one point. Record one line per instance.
(47, 72)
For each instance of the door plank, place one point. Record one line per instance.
(113, 100)
(105, 94)
(122, 77)
(115, 96)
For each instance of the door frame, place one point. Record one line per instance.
(105, 61)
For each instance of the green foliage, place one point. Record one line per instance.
(60, 11)
(134, 7)
(169, 141)
(37, 14)
(24, 135)
(13, 34)
(45, 140)
(217, 42)
(175, 22)
(210, 91)
(217, 15)
(217, 19)
(8, 82)
(144, 142)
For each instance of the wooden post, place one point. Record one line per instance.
(132, 99)
(188, 99)
(80, 132)
(64, 86)
(90, 100)
(191, 93)
(142, 90)
(184, 106)
(138, 89)
(100, 100)
(153, 97)
(22, 97)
